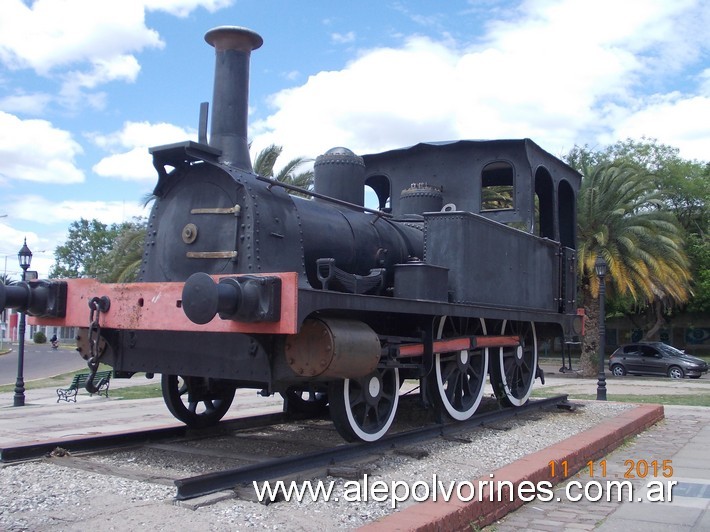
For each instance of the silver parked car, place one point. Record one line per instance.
(655, 358)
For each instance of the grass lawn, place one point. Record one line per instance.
(663, 399)
(144, 391)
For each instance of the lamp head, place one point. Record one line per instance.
(24, 256)
(600, 266)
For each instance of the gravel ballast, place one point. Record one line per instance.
(46, 495)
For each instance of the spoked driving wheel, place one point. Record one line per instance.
(363, 409)
(514, 368)
(197, 401)
(458, 377)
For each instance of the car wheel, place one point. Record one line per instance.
(674, 372)
(618, 370)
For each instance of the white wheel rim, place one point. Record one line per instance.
(459, 415)
(355, 427)
(516, 401)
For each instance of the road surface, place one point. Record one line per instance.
(41, 361)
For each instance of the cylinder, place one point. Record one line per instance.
(230, 97)
(339, 174)
(333, 348)
(420, 198)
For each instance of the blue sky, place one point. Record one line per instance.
(86, 86)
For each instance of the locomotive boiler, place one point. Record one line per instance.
(464, 265)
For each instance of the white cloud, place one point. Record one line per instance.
(94, 41)
(56, 216)
(11, 241)
(343, 38)
(384, 98)
(558, 72)
(108, 212)
(182, 8)
(130, 159)
(34, 150)
(120, 67)
(26, 104)
(51, 33)
(681, 122)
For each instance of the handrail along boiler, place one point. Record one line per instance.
(467, 264)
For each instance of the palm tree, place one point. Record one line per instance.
(266, 160)
(122, 263)
(128, 253)
(620, 217)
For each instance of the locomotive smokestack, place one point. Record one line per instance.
(230, 99)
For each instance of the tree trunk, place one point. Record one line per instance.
(658, 312)
(589, 359)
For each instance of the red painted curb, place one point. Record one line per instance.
(577, 451)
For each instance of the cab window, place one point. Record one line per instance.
(497, 187)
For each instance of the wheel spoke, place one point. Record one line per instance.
(196, 401)
(514, 373)
(364, 409)
(458, 378)
(467, 382)
(448, 372)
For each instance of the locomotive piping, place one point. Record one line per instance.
(230, 97)
(305, 191)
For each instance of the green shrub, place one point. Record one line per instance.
(40, 338)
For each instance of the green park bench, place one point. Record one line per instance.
(101, 380)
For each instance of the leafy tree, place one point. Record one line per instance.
(683, 186)
(699, 253)
(87, 242)
(86, 248)
(646, 153)
(619, 217)
(6, 279)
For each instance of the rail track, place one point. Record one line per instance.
(259, 448)
(196, 486)
(115, 440)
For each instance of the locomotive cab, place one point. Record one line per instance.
(514, 182)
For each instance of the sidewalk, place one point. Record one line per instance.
(682, 438)
(43, 419)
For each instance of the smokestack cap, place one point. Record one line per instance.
(233, 38)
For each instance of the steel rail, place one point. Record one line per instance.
(34, 450)
(197, 486)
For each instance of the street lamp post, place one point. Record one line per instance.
(25, 258)
(600, 268)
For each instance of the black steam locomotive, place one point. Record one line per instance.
(465, 265)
